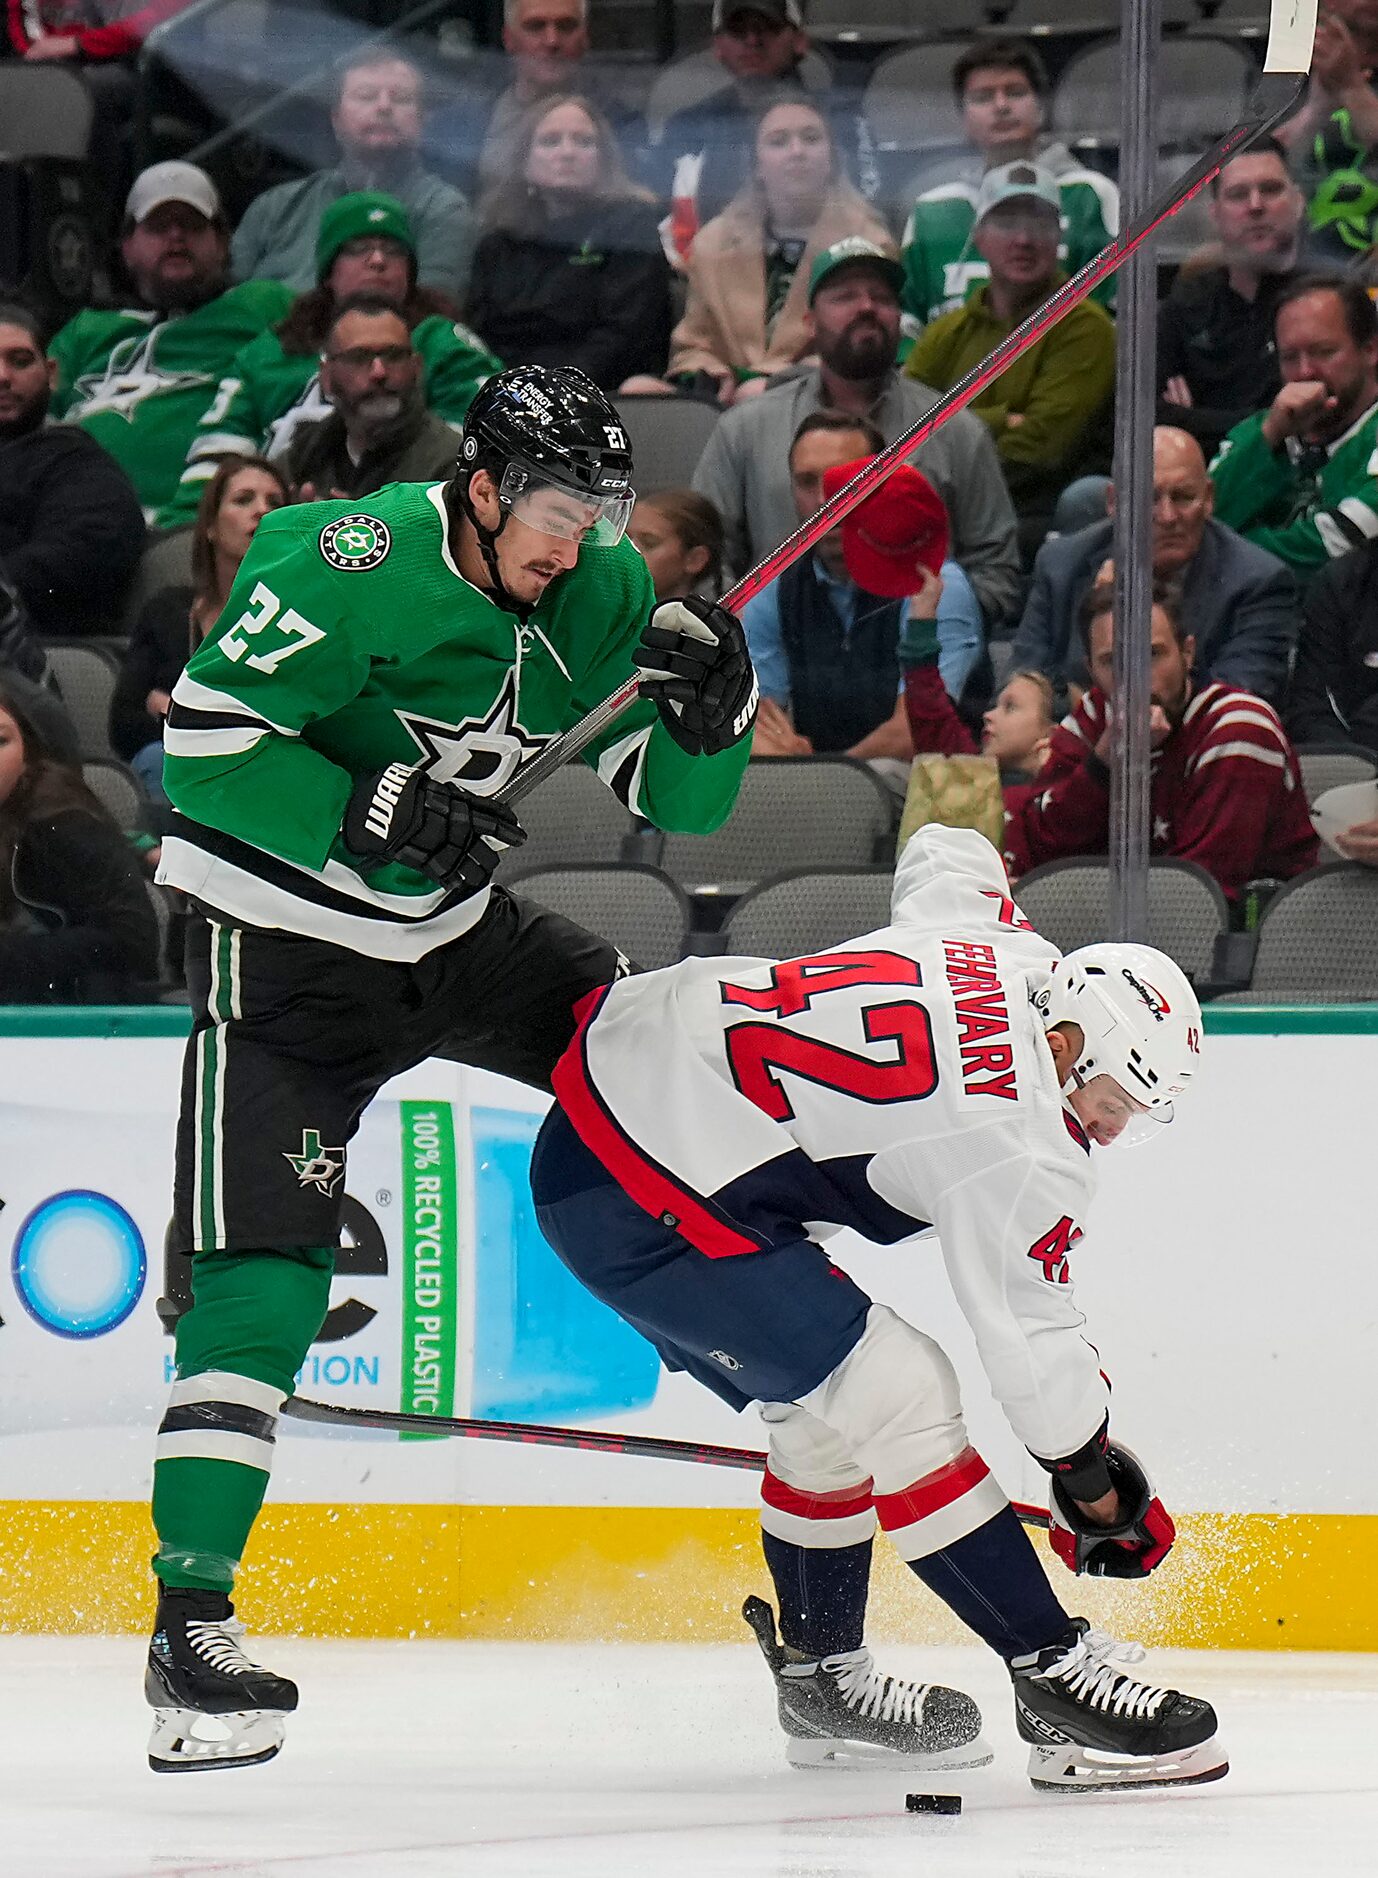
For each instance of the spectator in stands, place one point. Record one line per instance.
(71, 529)
(478, 136)
(854, 326)
(569, 269)
(1333, 139)
(679, 536)
(1225, 790)
(377, 122)
(1016, 731)
(704, 153)
(76, 925)
(379, 430)
(1301, 478)
(825, 650)
(1217, 358)
(1049, 411)
(1002, 92)
(1333, 696)
(1239, 604)
(747, 313)
(175, 621)
(140, 379)
(366, 245)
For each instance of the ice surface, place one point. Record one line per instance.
(517, 1761)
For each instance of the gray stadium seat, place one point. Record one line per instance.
(1246, 17)
(908, 102)
(1318, 943)
(86, 675)
(45, 110)
(165, 562)
(809, 811)
(639, 910)
(1086, 16)
(572, 818)
(1328, 765)
(698, 75)
(1066, 902)
(801, 913)
(878, 22)
(668, 436)
(117, 790)
(1203, 86)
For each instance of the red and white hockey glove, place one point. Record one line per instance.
(1133, 1548)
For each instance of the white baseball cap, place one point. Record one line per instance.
(1020, 178)
(172, 182)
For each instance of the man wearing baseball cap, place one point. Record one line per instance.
(854, 317)
(377, 117)
(1049, 412)
(139, 378)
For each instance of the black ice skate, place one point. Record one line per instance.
(1089, 1725)
(212, 1706)
(842, 1712)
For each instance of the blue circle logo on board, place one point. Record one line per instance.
(79, 1264)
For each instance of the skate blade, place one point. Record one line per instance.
(828, 1752)
(1071, 1769)
(185, 1741)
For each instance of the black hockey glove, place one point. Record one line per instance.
(1131, 1549)
(695, 664)
(401, 814)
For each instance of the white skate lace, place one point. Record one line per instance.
(864, 1689)
(1093, 1671)
(217, 1644)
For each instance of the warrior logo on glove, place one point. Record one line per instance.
(694, 662)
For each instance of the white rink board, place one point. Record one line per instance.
(1228, 1277)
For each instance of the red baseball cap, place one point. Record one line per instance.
(899, 529)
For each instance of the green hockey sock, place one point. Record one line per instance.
(238, 1352)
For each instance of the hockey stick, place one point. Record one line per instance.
(1259, 123)
(536, 1434)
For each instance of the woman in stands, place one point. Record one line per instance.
(365, 248)
(680, 538)
(76, 924)
(747, 313)
(174, 622)
(569, 269)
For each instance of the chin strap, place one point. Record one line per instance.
(487, 545)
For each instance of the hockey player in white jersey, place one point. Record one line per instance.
(948, 1072)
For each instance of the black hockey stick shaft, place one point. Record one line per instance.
(537, 1434)
(1111, 258)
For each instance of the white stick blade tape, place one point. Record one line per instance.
(1291, 36)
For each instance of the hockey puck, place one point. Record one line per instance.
(932, 1802)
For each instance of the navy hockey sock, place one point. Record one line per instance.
(994, 1582)
(821, 1592)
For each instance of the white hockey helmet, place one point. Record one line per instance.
(1139, 1018)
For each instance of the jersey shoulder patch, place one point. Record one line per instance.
(355, 543)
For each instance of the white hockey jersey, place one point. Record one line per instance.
(894, 1085)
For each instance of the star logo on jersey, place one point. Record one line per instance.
(481, 754)
(316, 1166)
(355, 543)
(129, 378)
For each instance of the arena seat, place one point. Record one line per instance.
(908, 102)
(1085, 16)
(636, 908)
(880, 22)
(45, 110)
(1203, 86)
(572, 818)
(1329, 765)
(117, 790)
(1318, 943)
(668, 436)
(86, 675)
(1068, 902)
(165, 562)
(697, 76)
(795, 914)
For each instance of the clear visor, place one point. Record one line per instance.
(552, 509)
(1109, 1113)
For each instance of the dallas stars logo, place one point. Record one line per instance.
(317, 1166)
(356, 543)
(130, 376)
(482, 753)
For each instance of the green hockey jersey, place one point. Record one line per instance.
(1305, 504)
(351, 641)
(268, 393)
(141, 382)
(941, 266)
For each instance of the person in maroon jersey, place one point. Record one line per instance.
(1226, 790)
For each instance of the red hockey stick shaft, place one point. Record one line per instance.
(1100, 267)
(537, 1434)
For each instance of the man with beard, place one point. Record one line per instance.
(1217, 360)
(380, 430)
(71, 531)
(1224, 790)
(854, 312)
(1301, 479)
(141, 377)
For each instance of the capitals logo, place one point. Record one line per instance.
(1150, 994)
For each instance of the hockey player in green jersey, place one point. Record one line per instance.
(140, 378)
(334, 751)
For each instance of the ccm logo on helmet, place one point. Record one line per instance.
(1152, 997)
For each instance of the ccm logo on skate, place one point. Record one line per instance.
(79, 1264)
